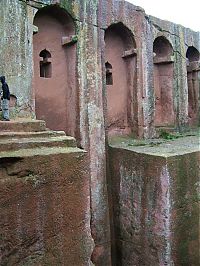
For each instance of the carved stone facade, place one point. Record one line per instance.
(99, 70)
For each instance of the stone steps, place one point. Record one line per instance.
(31, 134)
(41, 151)
(25, 125)
(47, 133)
(29, 143)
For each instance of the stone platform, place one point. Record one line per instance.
(155, 201)
(44, 197)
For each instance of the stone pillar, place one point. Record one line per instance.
(92, 128)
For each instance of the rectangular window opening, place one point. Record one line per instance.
(45, 69)
(109, 79)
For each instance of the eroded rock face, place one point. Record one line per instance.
(43, 214)
(86, 108)
(186, 212)
(155, 204)
(140, 210)
(44, 199)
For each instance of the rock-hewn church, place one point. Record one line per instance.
(99, 163)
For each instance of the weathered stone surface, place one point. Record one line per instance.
(180, 38)
(22, 134)
(22, 126)
(44, 214)
(155, 202)
(16, 53)
(99, 16)
(44, 202)
(85, 92)
(186, 207)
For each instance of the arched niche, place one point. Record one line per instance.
(192, 56)
(54, 81)
(120, 58)
(163, 82)
(162, 48)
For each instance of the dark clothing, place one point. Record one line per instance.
(5, 88)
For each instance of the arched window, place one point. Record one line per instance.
(192, 54)
(109, 77)
(45, 64)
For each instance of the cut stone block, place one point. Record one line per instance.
(155, 197)
(44, 197)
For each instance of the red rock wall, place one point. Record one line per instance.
(120, 104)
(155, 208)
(87, 117)
(138, 208)
(55, 96)
(163, 84)
(44, 209)
(186, 212)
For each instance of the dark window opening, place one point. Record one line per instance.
(109, 77)
(45, 64)
(45, 70)
(192, 54)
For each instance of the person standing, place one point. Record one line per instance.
(5, 99)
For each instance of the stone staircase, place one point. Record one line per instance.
(29, 134)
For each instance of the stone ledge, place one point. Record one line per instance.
(21, 134)
(44, 151)
(23, 125)
(163, 60)
(159, 147)
(27, 143)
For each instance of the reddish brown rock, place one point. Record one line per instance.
(77, 46)
(155, 202)
(44, 203)
(54, 82)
